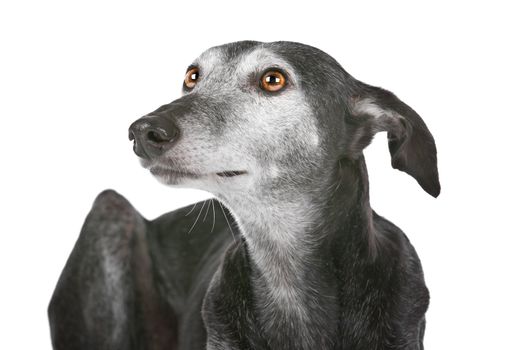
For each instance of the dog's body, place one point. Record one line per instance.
(276, 132)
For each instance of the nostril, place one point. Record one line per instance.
(131, 135)
(156, 137)
(160, 136)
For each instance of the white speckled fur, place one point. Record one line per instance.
(260, 139)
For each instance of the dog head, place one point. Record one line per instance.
(269, 117)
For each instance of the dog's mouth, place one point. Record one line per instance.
(167, 172)
(231, 173)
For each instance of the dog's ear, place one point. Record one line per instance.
(412, 147)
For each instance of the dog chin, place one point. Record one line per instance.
(145, 163)
(168, 180)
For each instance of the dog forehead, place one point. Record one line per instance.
(243, 57)
(262, 58)
(305, 60)
(224, 55)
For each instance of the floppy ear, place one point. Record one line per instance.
(411, 144)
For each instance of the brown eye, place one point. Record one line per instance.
(191, 78)
(273, 81)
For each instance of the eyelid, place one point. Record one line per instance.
(191, 66)
(274, 69)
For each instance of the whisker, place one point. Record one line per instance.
(207, 208)
(213, 208)
(191, 209)
(197, 219)
(227, 221)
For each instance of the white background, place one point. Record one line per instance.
(74, 75)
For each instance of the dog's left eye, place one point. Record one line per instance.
(191, 78)
(272, 81)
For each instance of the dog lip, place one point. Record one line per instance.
(165, 171)
(231, 173)
(162, 171)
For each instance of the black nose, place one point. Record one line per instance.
(153, 135)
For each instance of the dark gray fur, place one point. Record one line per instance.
(355, 273)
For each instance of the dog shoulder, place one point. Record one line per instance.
(407, 276)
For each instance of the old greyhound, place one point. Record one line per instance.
(275, 131)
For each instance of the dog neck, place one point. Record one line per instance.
(288, 239)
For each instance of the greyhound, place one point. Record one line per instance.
(298, 260)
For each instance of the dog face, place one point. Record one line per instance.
(267, 118)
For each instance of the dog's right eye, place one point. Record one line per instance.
(191, 78)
